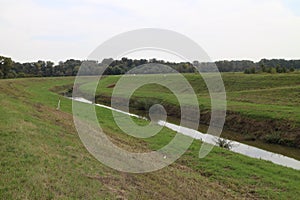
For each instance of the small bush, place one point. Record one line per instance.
(278, 138)
(226, 144)
(274, 138)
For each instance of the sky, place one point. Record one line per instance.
(57, 30)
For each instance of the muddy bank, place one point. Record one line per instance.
(273, 131)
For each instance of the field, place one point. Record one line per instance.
(263, 107)
(273, 96)
(42, 156)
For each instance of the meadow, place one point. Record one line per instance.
(273, 96)
(42, 156)
(260, 107)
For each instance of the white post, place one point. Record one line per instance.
(58, 105)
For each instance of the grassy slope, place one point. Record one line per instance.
(259, 96)
(263, 108)
(43, 158)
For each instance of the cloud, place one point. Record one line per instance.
(231, 29)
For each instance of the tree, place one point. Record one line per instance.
(284, 70)
(278, 69)
(252, 70)
(263, 68)
(1, 74)
(6, 65)
(292, 69)
(272, 70)
(11, 74)
(48, 71)
(247, 71)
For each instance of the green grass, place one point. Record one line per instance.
(42, 157)
(258, 105)
(260, 96)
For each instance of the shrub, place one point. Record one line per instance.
(274, 138)
(226, 144)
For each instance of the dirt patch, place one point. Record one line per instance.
(111, 85)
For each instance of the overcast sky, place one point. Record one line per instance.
(226, 29)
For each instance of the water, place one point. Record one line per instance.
(237, 147)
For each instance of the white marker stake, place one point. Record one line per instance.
(58, 105)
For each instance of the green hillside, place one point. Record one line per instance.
(263, 107)
(42, 156)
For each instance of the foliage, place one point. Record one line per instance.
(251, 70)
(6, 66)
(11, 69)
(271, 70)
(223, 143)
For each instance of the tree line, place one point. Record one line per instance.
(273, 66)
(12, 69)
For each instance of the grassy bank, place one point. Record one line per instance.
(42, 157)
(260, 106)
